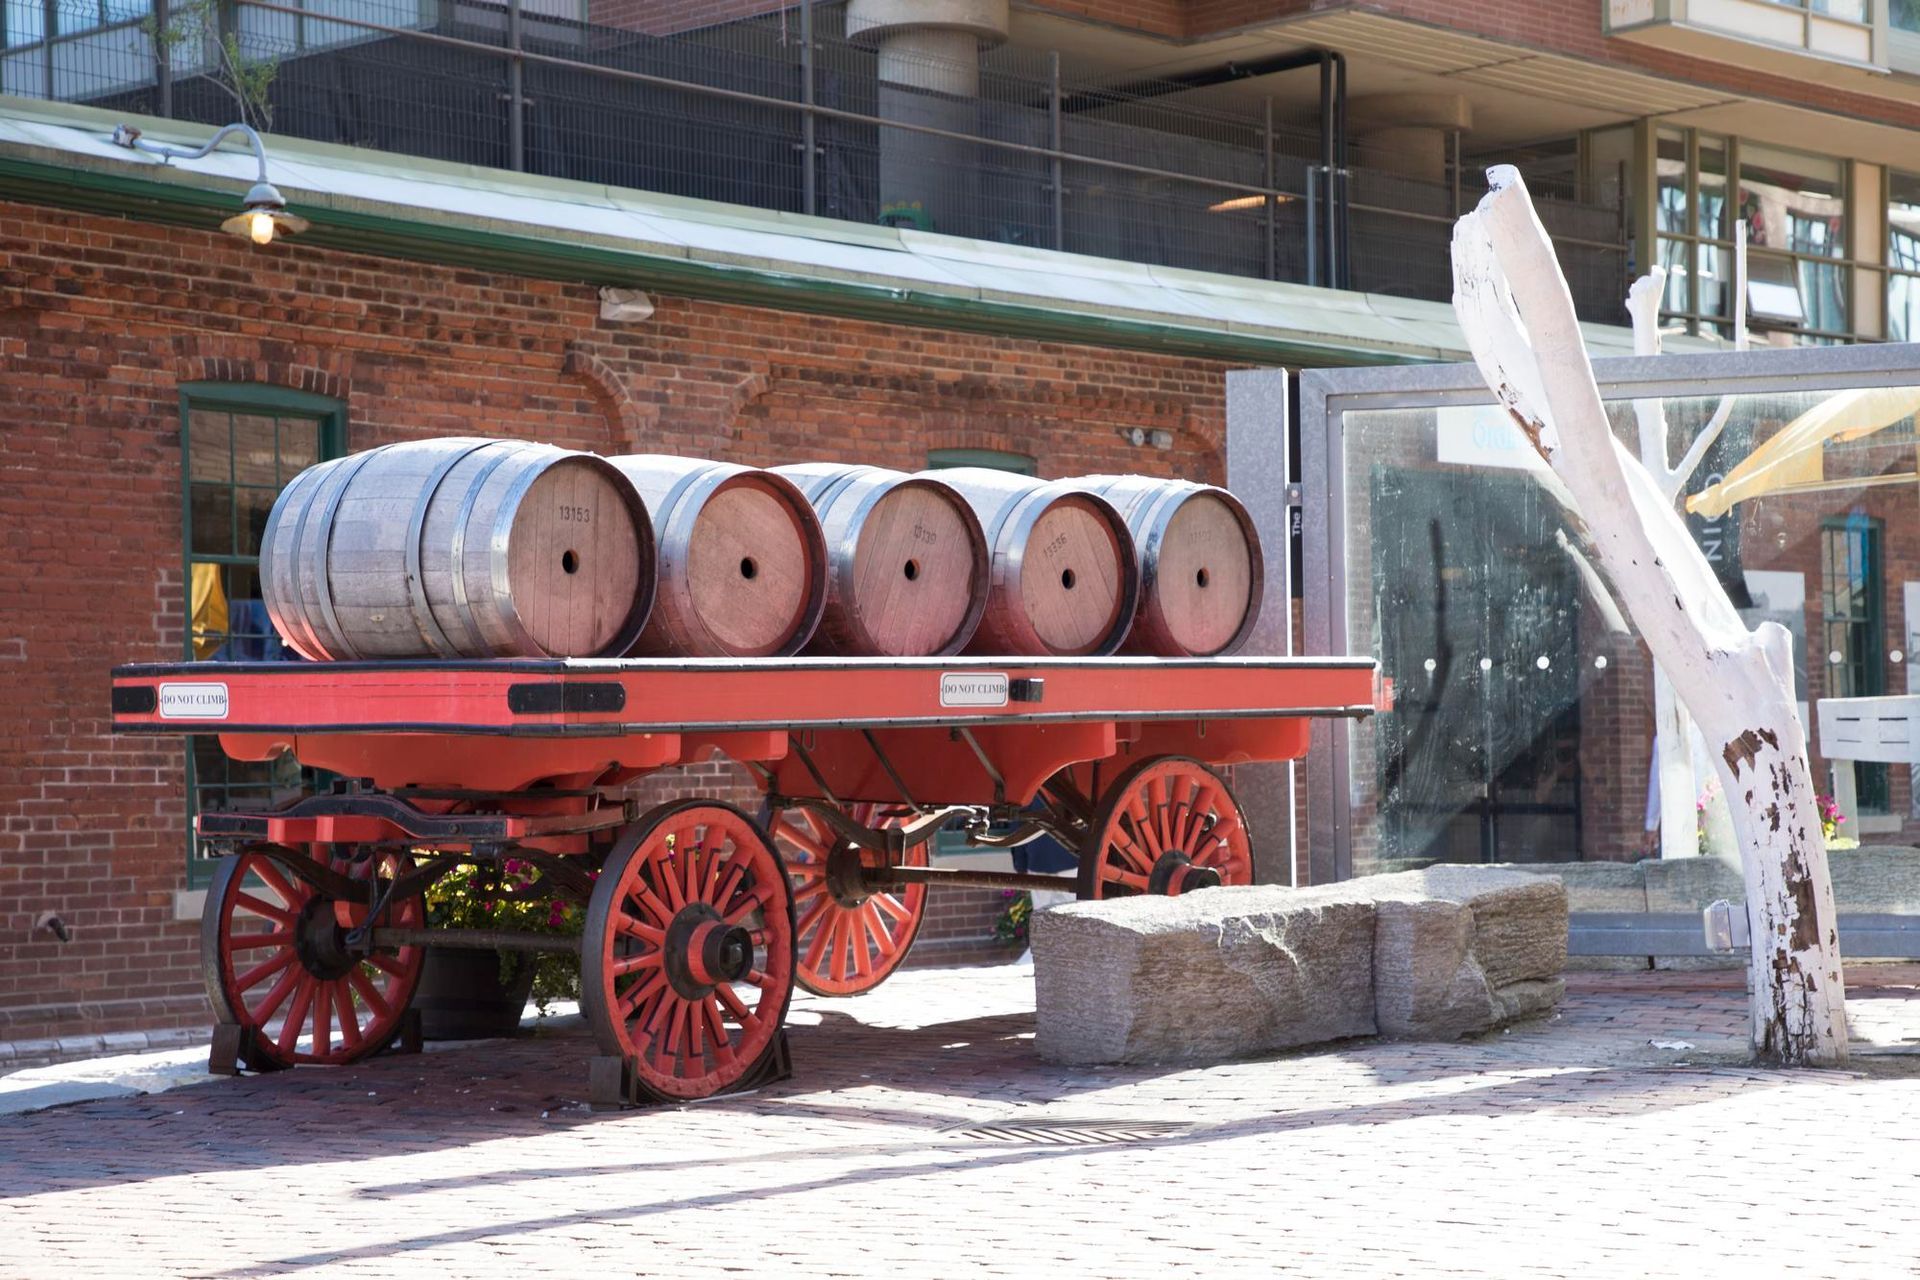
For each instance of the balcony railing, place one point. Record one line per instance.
(757, 114)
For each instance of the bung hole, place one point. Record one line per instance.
(1202, 577)
(912, 570)
(1067, 579)
(748, 569)
(569, 562)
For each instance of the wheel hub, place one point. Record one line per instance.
(320, 942)
(1175, 874)
(846, 875)
(704, 951)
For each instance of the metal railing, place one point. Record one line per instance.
(787, 113)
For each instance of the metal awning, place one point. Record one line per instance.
(404, 207)
(1794, 460)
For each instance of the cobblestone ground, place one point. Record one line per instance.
(1573, 1146)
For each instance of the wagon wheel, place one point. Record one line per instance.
(850, 939)
(273, 950)
(686, 964)
(1168, 825)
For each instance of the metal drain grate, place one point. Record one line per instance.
(1074, 1133)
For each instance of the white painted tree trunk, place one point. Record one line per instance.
(1518, 317)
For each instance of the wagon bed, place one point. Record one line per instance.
(699, 918)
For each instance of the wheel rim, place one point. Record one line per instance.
(273, 950)
(849, 942)
(1168, 826)
(689, 950)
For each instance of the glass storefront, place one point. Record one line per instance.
(1522, 725)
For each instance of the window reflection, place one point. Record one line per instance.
(1466, 574)
(1791, 201)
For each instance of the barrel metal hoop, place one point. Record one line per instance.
(856, 636)
(429, 625)
(502, 536)
(460, 519)
(699, 484)
(348, 470)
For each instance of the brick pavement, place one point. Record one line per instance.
(1568, 1147)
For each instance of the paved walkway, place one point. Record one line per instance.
(1569, 1147)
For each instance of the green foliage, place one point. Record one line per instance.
(245, 79)
(508, 895)
(1012, 925)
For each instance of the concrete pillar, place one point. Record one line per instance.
(929, 75)
(1406, 133)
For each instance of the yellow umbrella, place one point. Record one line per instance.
(1794, 457)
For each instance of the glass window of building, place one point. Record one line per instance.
(1903, 256)
(1794, 209)
(241, 445)
(1853, 604)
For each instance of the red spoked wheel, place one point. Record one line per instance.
(1168, 825)
(686, 965)
(273, 949)
(851, 938)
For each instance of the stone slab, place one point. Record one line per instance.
(1592, 886)
(1217, 974)
(1441, 952)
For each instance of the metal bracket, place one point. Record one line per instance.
(999, 783)
(893, 775)
(1725, 926)
(813, 770)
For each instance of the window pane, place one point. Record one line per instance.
(26, 22)
(1792, 202)
(1670, 175)
(253, 450)
(1823, 288)
(1850, 10)
(212, 520)
(1905, 14)
(1715, 265)
(299, 447)
(1676, 257)
(253, 505)
(1903, 308)
(1712, 198)
(209, 445)
(1903, 220)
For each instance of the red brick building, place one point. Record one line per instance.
(1014, 235)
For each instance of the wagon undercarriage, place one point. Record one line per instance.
(700, 917)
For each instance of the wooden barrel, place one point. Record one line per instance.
(1202, 575)
(742, 560)
(458, 548)
(1063, 580)
(906, 561)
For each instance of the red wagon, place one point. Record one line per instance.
(697, 924)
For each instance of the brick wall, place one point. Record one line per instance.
(102, 319)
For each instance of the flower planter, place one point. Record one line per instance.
(461, 996)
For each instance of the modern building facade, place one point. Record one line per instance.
(901, 231)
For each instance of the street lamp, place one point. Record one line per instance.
(264, 212)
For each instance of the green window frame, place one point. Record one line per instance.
(1852, 615)
(993, 459)
(240, 443)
